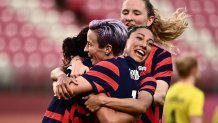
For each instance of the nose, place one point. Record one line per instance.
(144, 44)
(86, 48)
(129, 17)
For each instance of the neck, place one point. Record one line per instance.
(110, 56)
(190, 80)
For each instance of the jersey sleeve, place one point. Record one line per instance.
(163, 68)
(147, 83)
(196, 107)
(103, 77)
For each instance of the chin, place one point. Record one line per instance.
(137, 60)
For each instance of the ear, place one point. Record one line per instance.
(150, 20)
(108, 49)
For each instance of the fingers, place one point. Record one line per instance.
(65, 94)
(74, 81)
(54, 84)
(63, 91)
(68, 90)
(86, 69)
(92, 109)
(58, 92)
(85, 98)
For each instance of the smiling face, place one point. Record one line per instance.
(139, 44)
(95, 53)
(134, 12)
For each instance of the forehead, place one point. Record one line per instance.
(91, 36)
(133, 5)
(146, 32)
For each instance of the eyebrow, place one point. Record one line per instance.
(141, 34)
(150, 39)
(144, 36)
(124, 10)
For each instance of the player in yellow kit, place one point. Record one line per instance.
(184, 101)
(215, 115)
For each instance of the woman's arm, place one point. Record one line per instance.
(128, 105)
(160, 93)
(66, 90)
(162, 73)
(107, 115)
(77, 67)
(57, 72)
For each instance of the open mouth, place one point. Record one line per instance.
(140, 53)
(129, 24)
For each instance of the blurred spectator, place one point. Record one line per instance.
(61, 4)
(215, 115)
(184, 101)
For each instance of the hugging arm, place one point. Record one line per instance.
(128, 105)
(114, 116)
(162, 73)
(71, 90)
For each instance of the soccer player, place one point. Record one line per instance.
(184, 101)
(58, 110)
(159, 62)
(119, 74)
(215, 115)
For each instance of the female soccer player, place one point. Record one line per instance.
(159, 62)
(117, 76)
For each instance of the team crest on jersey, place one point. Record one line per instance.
(142, 68)
(134, 74)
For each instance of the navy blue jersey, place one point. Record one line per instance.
(119, 77)
(68, 111)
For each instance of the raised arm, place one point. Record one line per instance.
(161, 91)
(162, 73)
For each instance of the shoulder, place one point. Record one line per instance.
(160, 50)
(108, 66)
(112, 62)
(174, 88)
(198, 92)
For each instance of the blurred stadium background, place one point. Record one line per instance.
(31, 33)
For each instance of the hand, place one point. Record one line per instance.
(63, 90)
(94, 102)
(77, 67)
(54, 85)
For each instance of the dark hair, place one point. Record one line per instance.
(73, 46)
(132, 29)
(185, 65)
(150, 8)
(110, 31)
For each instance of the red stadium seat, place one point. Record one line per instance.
(15, 44)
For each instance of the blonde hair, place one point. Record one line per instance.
(185, 64)
(166, 30)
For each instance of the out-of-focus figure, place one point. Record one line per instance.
(215, 115)
(184, 101)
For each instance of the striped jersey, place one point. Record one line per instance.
(158, 65)
(68, 111)
(119, 77)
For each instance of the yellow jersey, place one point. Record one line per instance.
(182, 101)
(215, 116)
